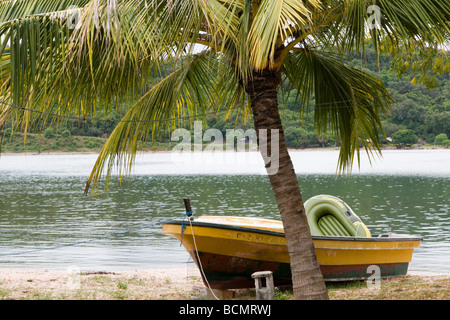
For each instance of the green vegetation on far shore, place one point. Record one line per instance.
(59, 142)
(42, 143)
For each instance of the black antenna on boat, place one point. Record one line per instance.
(187, 205)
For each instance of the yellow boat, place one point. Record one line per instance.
(229, 249)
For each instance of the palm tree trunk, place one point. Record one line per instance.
(306, 275)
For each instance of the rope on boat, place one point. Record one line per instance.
(183, 226)
(199, 262)
(91, 240)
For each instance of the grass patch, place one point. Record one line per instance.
(397, 288)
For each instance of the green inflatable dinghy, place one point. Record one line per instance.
(330, 216)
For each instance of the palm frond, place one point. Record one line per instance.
(188, 90)
(32, 35)
(401, 20)
(25, 41)
(347, 101)
(58, 69)
(18, 9)
(270, 26)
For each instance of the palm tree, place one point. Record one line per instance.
(58, 61)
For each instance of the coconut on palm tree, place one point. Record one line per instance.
(175, 58)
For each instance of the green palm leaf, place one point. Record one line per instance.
(347, 101)
(270, 27)
(184, 93)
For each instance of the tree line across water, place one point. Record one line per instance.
(419, 115)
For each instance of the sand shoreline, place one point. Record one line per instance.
(150, 284)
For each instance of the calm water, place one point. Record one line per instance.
(42, 205)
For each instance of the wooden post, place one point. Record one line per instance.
(187, 205)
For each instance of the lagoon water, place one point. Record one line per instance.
(46, 222)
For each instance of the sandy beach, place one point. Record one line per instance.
(158, 284)
(184, 284)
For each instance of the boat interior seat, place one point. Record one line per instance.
(331, 226)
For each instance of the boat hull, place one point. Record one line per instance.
(228, 272)
(229, 251)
